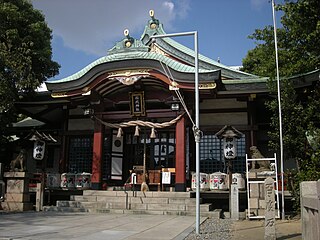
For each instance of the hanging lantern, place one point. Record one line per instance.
(38, 149)
(229, 135)
(229, 148)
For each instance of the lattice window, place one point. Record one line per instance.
(212, 157)
(80, 154)
(239, 164)
(164, 150)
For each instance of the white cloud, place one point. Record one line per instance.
(257, 4)
(169, 5)
(94, 26)
(183, 8)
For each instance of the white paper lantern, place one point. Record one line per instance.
(229, 148)
(38, 149)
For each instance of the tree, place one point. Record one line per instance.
(299, 52)
(25, 55)
(298, 42)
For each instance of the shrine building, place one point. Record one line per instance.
(135, 108)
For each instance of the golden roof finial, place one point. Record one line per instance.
(126, 32)
(151, 13)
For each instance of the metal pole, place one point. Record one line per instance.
(196, 127)
(280, 115)
(173, 35)
(197, 133)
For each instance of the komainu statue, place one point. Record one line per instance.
(17, 164)
(260, 165)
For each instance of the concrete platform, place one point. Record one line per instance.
(111, 226)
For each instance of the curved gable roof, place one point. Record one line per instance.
(131, 53)
(186, 54)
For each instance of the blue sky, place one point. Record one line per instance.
(83, 30)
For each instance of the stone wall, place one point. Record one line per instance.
(310, 205)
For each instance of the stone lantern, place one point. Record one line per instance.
(229, 135)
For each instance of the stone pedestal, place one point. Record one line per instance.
(270, 222)
(17, 197)
(234, 203)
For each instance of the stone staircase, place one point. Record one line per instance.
(163, 203)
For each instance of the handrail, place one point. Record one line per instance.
(128, 181)
(125, 191)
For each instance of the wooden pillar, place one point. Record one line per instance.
(64, 144)
(180, 185)
(252, 119)
(98, 137)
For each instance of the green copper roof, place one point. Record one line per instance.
(134, 45)
(130, 56)
(182, 52)
(245, 81)
(133, 49)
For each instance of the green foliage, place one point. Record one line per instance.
(301, 22)
(300, 119)
(298, 53)
(25, 54)
(293, 123)
(309, 171)
(298, 42)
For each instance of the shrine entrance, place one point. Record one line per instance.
(160, 151)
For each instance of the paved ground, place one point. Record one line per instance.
(81, 226)
(55, 225)
(254, 229)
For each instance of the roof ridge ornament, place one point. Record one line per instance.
(129, 77)
(128, 44)
(129, 41)
(153, 23)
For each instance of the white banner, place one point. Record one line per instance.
(166, 177)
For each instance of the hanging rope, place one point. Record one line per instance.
(178, 92)
(140, 123)
(196, 131)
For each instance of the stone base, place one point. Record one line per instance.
(17, 197)
(16, 175)
(16, 206)
(17, 182)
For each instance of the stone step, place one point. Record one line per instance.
(92, 205)
(163, 203)
(217, 213)
(83, 198)
(242, 215)
(139, 206)
(77, 204)
(137, 194)
(131, 199)
(213, 214)
(63, 209)
(205, 207)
